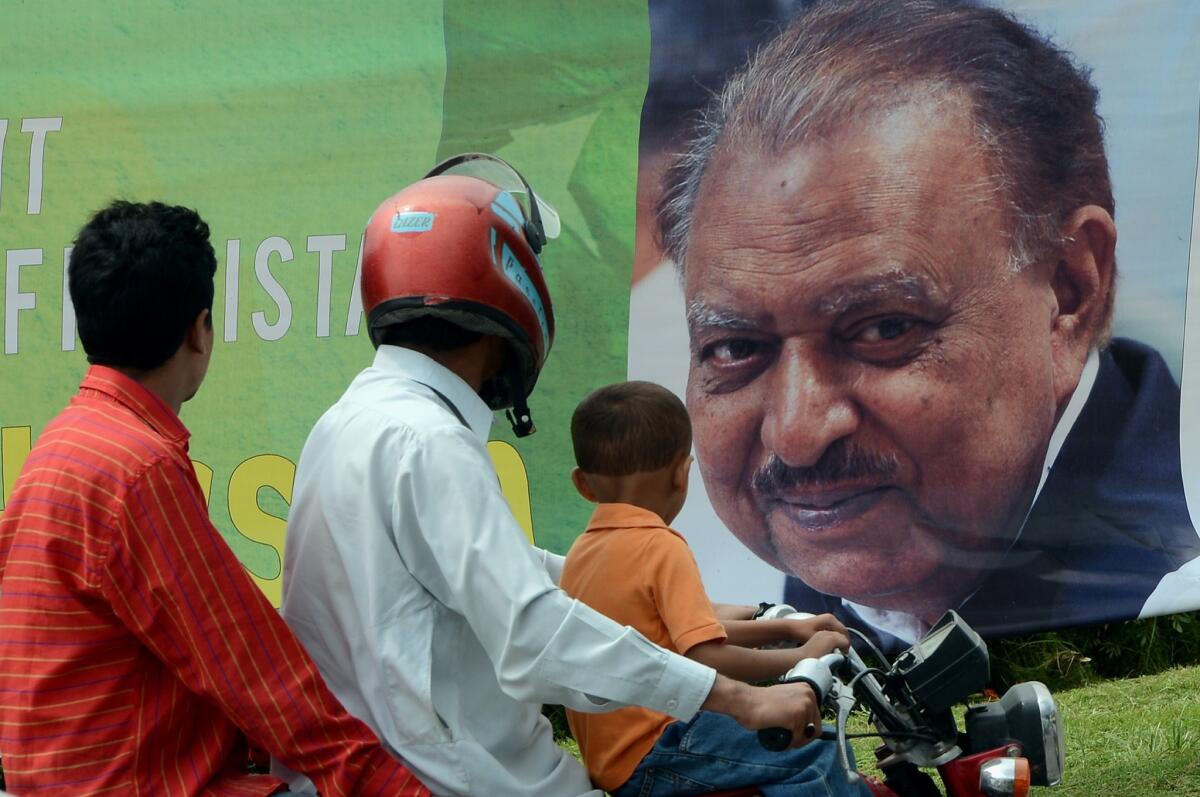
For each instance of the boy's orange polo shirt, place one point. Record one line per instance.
(631, 566)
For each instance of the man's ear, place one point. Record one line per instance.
(199, 335)
(580, 480)
(1083, 281)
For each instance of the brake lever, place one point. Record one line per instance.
(845, 704)
(778, 739)
(818, 674)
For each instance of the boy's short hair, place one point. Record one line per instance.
(628, 428)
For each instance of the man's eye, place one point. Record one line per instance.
(885, 329)
(889, 340)
(730, 352)
(729, 364)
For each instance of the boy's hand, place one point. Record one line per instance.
(803, 631)
(825, 641)
(782, 632)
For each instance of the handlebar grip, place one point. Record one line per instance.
(775, 739)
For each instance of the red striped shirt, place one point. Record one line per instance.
(133, 646)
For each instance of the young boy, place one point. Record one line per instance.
(632, 442)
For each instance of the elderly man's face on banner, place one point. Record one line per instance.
(873, 382)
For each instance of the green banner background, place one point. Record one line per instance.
(281, 122)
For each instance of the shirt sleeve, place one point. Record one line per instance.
(678, 593)
(553, 563)
(177, 586)
(469, 552)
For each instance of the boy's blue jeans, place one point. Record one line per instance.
(713, 752)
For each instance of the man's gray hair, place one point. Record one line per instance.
(842, 61)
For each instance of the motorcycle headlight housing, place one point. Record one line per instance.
(1028, 716)
(946, 666)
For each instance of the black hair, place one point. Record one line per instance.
(139, 275)
(428, 332)
(629, 427)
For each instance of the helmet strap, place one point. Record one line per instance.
(518, 416)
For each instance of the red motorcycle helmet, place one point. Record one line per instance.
(462, 245)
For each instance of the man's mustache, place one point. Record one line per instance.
(840, 463)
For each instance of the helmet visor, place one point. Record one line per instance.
(497, 172)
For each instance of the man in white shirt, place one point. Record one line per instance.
(406, 575)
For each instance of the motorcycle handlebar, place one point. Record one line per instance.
(818, 674)
(775, 739)
(779, 739)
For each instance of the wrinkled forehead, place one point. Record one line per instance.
(741, 310)
(908, 191)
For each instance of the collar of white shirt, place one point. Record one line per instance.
(1082, 393)
(417, 367)
(909, 628)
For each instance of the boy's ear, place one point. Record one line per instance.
(580, 480)
(679, 478)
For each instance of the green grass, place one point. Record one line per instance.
(1135, 737)
(1079, 656)
(1139, 736)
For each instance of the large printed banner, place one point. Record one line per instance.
(892, 417)
(285, 124)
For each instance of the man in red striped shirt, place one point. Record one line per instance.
(136, 655)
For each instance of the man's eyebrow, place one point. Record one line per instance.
(847, 297)
(701, 315)
(864, 293)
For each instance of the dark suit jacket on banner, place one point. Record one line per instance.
(1109, 523)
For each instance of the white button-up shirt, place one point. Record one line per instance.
(427, 611)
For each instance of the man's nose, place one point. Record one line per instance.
(809, 406)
